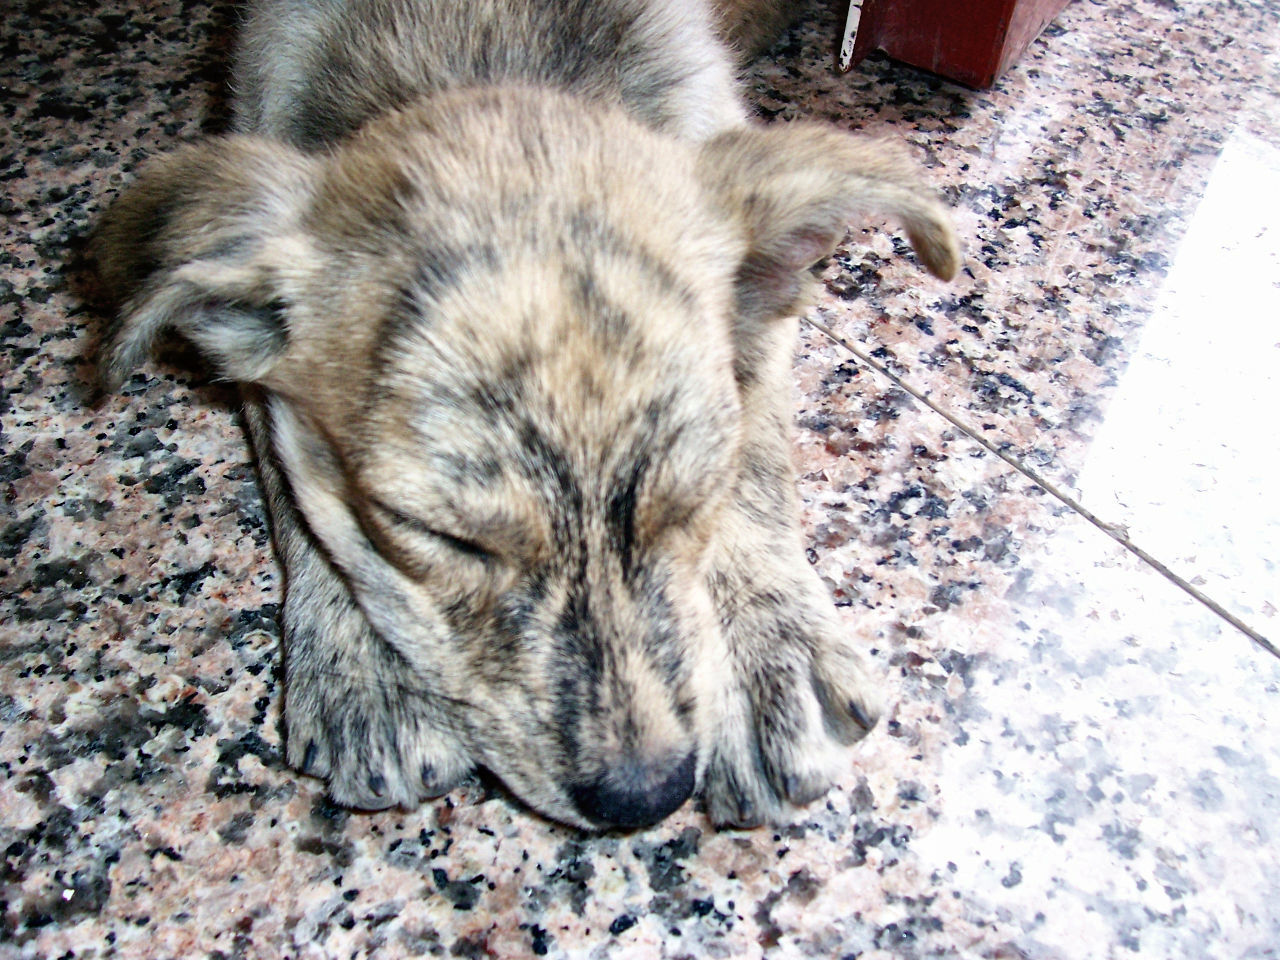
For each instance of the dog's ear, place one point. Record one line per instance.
(794, 189)
(206, 242)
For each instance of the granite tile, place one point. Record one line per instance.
(1077, 759)
(1179, 460)
(1113, 788)
(1096, 766)
(1074, 182)
(1121, 205)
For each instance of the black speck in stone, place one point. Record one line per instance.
(342, 854)
(14, 535)
(539, 940)
(622, 924)
(1013, 878)
(237, 828)
(462, 894)
(663, 861)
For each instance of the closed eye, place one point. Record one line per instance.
(459, 544)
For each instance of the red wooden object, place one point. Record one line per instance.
(970, 41)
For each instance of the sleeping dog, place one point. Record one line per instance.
(511, 289)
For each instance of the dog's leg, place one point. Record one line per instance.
(352, 712)
(799, 692)
(207, 242)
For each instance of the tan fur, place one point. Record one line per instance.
(516, 373)
(750, 26)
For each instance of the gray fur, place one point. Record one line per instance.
(313, 72)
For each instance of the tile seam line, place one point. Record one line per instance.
(1111, 530)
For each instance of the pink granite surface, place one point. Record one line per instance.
(1080, 760)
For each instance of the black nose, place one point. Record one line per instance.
(635, 794)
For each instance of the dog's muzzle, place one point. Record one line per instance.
(634, 793)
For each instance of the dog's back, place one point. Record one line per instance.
(311, 72)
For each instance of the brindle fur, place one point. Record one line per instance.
(507, 287)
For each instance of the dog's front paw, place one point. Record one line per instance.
(355, 717)
(800, 696)
(378, 745)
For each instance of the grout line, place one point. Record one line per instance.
(1113, 531)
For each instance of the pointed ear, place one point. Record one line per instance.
(206, 242)
(794, 188)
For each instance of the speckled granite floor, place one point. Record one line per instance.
(1080, 760)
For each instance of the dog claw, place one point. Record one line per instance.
(309, 757)
(859, 714)
(744, 812)
(433, 783)
(791, 786)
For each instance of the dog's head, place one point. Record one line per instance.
(504, 338)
